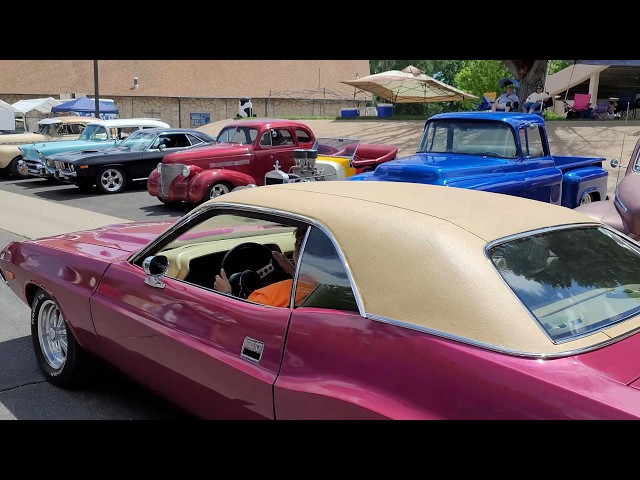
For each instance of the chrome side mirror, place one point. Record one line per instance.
(155, 268)
(614, 163)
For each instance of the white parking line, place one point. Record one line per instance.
(33, 218)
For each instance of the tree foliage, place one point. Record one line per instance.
(473, 76)
(481, 76)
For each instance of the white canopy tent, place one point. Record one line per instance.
(34, 109)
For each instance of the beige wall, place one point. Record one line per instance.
(177, 111)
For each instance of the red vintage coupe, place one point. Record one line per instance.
(425, 302)
(246, 151)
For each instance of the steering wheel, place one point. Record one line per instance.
(250, 266)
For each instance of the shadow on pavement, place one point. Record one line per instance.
(171, 209)
(26, 395)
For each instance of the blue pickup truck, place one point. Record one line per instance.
(497, 152)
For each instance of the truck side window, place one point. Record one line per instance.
(531, 141)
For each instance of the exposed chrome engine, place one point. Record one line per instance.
(305, 169)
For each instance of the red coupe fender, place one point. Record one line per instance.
(368, 156)
(201, 183)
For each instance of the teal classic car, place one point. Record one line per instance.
(97, 135)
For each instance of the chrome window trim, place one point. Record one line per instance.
(207, 209)
(494, 348)
(568, 226)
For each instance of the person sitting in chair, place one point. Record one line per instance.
(507, 101)
(534, 102)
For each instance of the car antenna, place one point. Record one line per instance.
(624, 135)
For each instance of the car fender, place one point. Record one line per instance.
(202, 181)
(8, 153)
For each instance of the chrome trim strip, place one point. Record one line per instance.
(232, 163)
(493, 348)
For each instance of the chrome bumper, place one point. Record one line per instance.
(33, 168)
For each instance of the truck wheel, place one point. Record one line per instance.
(13, 169)
(63, 362)
(217, 189)
(586, 198)
(111, 180)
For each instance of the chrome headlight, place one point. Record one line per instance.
(186, 171)
(159, 167)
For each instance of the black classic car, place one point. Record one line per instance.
(112, 169)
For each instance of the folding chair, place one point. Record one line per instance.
(601, 110)
(581, 107)
(627, 102)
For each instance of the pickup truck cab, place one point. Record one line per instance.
(498, 152)
(98, 135)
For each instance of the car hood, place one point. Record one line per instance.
(86, 153)
(52, 148)
(438, 169)
(216, 152)
(113, 241)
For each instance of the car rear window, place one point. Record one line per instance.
(574, 281)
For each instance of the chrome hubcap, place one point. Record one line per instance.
(52, 334)
(586, 199)
(218, 190)
(112, 180)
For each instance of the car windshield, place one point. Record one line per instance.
(574, 281)
(139, 140)
(336, 147)
(235, 134)
(494, 139)
(94, 132)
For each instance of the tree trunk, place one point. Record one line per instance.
(529, 73)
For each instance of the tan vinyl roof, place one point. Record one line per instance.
(184, 78)
(416, 253)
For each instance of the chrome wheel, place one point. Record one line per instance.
(218, 189)
(111, 180)
(586, 198)
(52, 334)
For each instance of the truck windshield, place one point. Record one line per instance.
(494, 139)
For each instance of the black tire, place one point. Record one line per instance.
(13, 168)
(60, 358)
(111, 180)
(217, 189)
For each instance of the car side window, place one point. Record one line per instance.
(265, 141)
(322, 279)
(194, 140)
(302, 136)
(74, 129)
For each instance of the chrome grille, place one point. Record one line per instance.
(60, 165)
(167, 174)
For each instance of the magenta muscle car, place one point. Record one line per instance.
(425, 302)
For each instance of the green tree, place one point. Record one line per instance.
(481, 76)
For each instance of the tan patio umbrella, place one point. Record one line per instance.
(411, 85)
